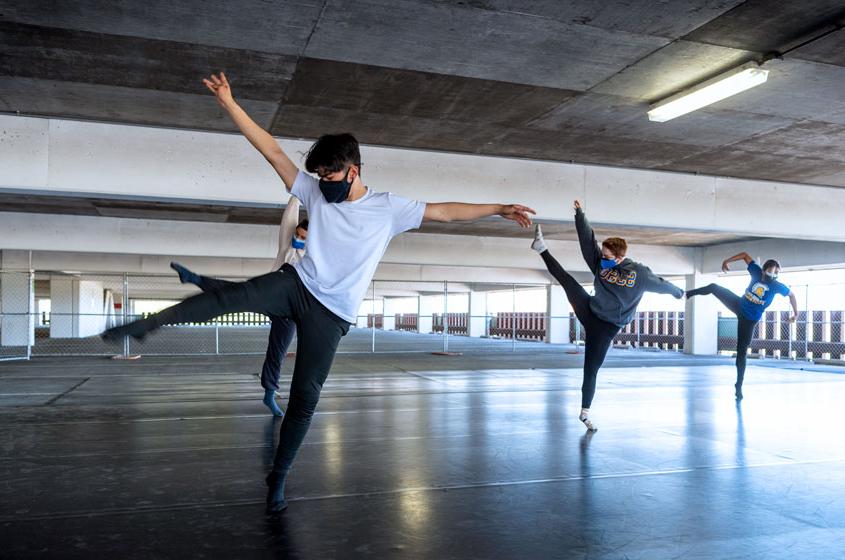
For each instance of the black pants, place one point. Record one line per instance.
(599, 334)
(279, 295)
(281, 335)
(744, 328)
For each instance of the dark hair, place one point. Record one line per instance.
(303, 224)
(333, 153)
(616, 245)
(771, 263)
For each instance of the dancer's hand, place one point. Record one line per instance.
(792, 318)
(518, 213)
(219, 86)
(725, 267)
(577, 204)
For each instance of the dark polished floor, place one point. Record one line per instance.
(417, 456)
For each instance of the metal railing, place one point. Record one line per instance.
(64, 313)
(397, 316)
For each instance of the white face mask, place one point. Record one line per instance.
(771, 275)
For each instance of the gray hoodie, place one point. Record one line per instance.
(618, 289)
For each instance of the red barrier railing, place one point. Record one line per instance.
(407, 322)
(519, 325)
(376, 321)
(457, 323)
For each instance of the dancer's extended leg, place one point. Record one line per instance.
(745, 327)
(599, 335)
(578, 297)
(274, 294)
(727, 297)
(281, 334)
(204, 283)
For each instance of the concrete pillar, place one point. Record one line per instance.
(428, 306)
(557, 311)
(701, 319)
(478, 320)
(17, 303)
(76, 307)
(390, 314)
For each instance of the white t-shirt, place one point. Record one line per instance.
(346, 241)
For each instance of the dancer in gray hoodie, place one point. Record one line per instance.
(619, 285)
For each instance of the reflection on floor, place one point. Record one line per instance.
(423, 457)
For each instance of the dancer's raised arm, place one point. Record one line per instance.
(257, 136)
(738, 257)
(587, 238)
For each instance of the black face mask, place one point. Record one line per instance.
(335, 191)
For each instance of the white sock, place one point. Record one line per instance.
(539, 244)
(584, 417)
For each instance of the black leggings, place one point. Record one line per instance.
(599, 334)
(745, 326)
(279, 295)
(281, 335)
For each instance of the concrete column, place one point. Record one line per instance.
(390, 314)
(557, 310)
(701, 319)
(478, 319)
(17, 303)
(76, 308)
(428, 306)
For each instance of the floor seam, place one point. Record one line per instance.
(57, 397)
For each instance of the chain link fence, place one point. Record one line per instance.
(63, 313)
(816, 335)
(16, 317)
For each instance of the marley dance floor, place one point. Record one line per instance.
(419, 456)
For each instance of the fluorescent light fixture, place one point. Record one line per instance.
(706, 93)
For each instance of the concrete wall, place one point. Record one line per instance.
(77, 157)
(86, 234)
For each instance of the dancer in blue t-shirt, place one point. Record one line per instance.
(749, 308)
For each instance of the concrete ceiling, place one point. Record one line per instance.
(263, 215)
(563, 81)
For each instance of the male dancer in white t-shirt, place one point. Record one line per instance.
(349, 229)
(292, 236)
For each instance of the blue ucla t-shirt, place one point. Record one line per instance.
(759, 295)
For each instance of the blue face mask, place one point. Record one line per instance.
(335, 191)
(297, 243)
(607, 263)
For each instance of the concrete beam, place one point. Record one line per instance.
(106, 159)
(232, 267)
(85, 234)
(792, 253)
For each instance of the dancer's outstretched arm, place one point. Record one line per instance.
(464, 212)
(256, 135)
(738, 257)
(587, 238)
(654, 283)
